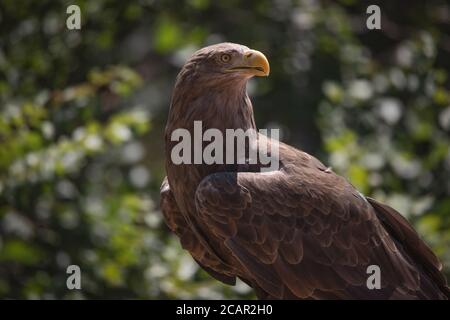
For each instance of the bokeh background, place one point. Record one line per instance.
(82, 116)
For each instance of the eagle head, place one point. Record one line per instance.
(225, 62)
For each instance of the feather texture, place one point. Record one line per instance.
(301, 232)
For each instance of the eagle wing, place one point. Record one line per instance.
(305, 232)
(176, 222)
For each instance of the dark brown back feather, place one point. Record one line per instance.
(404, 233)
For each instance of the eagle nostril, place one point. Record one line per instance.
(248, 54)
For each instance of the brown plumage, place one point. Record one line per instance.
(301, 232)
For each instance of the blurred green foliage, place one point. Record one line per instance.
(82, 116)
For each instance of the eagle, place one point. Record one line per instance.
(298, 232)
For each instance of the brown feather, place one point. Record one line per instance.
(301, 232)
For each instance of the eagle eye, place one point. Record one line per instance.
(225, 57)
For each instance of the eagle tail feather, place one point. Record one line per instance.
(404, 233)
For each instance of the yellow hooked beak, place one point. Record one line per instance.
(253, 63)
